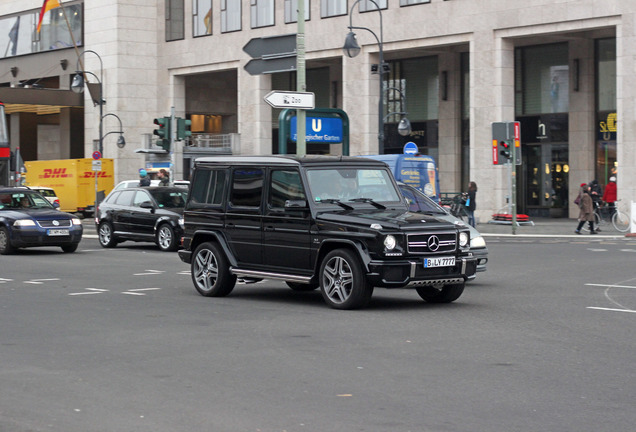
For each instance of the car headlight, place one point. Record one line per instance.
(389, 242)
(181, 222)
(24, 223)
(463, 239)
(76, 221)
(477, 242)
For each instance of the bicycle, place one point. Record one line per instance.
(604, 215)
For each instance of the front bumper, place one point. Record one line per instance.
(32, 237)
(411, 272)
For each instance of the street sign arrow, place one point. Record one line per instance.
(263, 66)
(271, 45)
(286, 99)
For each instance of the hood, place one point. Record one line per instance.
(39, 214)
(389, 219)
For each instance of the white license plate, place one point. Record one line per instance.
(58, 232)
(439, 262)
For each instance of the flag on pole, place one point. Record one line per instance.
(47, 6)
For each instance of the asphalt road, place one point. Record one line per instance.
(119, 340)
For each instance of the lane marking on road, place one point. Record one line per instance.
(149, 273)
(89, 291)
(596, 250)
(138, 292)
(3, 280)
(611, 286)
(611, 309)
(628, 250)
(40, 281)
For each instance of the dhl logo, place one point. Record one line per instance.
(55, 173)
(91, 174)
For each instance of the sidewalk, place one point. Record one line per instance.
(547, 227)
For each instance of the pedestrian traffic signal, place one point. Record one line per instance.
(183, 128)
(505, 149)
(163, 132)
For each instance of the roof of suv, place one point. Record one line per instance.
(311, 160)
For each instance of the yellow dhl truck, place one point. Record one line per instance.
(73, 180)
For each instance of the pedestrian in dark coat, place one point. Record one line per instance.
(586, 213)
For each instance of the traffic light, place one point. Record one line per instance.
(505, 149)
(183, 128)
(163, 132)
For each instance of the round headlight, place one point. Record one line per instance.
(389, 242)
(76, 221)
(463, 239)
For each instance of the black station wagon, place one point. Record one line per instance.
(335, 223)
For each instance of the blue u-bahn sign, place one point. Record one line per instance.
(323, 130)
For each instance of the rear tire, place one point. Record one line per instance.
(343, 283)
(620, 221)
(445, 294)
(210, 271)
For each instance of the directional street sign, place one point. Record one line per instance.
(271, 54)
(286, 99)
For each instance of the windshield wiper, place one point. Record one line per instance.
(336, 201)
(370, 201)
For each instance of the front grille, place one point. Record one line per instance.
(64, 223)
(432, 243)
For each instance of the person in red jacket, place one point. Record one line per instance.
(609, 196)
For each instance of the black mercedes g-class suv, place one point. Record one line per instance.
(335, 223)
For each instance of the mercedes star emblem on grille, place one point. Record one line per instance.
(433, 243)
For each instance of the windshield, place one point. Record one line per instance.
(170, 198)
(349, 184)
(20, 200)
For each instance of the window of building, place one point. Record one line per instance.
(230, 15)
(542, 79)
(606, 119)
(368, 5)
(606, 74)
(291, 11)
(175, 16)
(201, 17)
(330, 8)
(412, 2)
(261, 13)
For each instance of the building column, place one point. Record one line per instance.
(254, 115)
(626, 108)
(449, 129)
(492, 100)
(582, 130)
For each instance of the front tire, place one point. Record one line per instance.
(343, 283)
(166, 238)
(5, 242)
(445, 294)
(70, 248)
(620, 221)
(210, 271)
(106, 236)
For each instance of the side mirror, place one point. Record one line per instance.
(147, 205)
(56, 205)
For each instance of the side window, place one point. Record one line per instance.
(247, 187)
(112, 198)
(140, 196)
(208, 187)
(285, 185)
(411, 199)
(125, 197)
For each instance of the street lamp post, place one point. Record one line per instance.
(352, 49)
